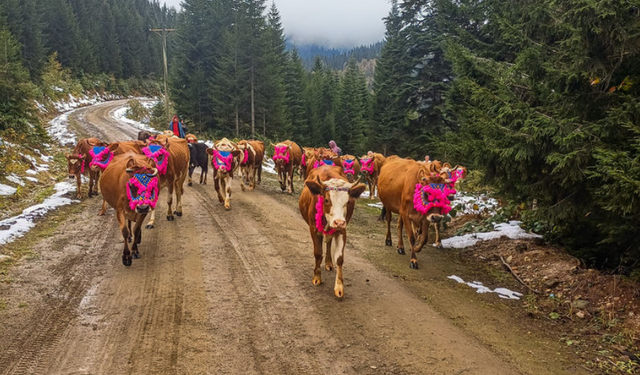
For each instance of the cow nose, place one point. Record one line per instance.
(435, 218)
(72, 176)
(339, 224)
(142, 209)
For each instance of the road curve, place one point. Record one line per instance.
(215, 292)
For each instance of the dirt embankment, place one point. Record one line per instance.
(220, 292)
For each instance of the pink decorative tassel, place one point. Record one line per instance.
(245, 160)
(367, 165)
(436, 197)
(281, 153)
(320, 217)
(222, 160)
(160, 155)
(147, 189)
(102, 158)
(348, 166)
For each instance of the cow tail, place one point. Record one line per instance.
(383, 214)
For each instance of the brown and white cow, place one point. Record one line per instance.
(191, 138)
(370, 166)
(351, 167)
(130, 184)
(251, 156)
(287, 156)
(307, 155)
(171, 155)
(79, 163)
(408, 188)
(223, 159)
(326, 204)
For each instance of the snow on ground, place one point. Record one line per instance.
(511, 230)
(376, 205)
(15, 227)
(120, 114)
(6, 190)
(501, 292)
(467, 203)
(15, 179)
(59, 129)
(269, 166)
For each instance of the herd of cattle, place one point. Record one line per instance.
(131, 175)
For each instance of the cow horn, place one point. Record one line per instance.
(320, 181)
(356, 183)
(129, 170)
(154, 172)
(272, 144)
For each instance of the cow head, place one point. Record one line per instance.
(190, 138)
(334, 196)
(101, 156)
(281, 154)
(368, 164)
(222, 155)
(431, 196)
(349, 164)
(158, 150)
(143, 186)
(75, 165)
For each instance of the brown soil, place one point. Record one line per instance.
(220, 292)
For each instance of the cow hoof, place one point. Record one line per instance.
(136, 255)
(243, 187)
(316, 281)
(439, 246)
(227, 206)
(190, 184)
(126, 261)
(339, 292)
(101, 213)
(401, 251)
(387, 242)
(129, 239)
(328, 267)
(150, 226)
(414, 264)
(178, 214)
(170, 218)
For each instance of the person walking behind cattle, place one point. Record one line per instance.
(176, 127)
(334, 147)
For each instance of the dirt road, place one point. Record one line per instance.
(217, 292)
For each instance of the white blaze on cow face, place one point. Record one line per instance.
(338, 194)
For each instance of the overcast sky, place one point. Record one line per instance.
(333, 23)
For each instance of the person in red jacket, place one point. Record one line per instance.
(176, 127)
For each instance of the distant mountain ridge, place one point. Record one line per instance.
(335, 58)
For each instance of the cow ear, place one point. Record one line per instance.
(235, 153)
(357, 190)
(113, 147)
(422, 176)
(210, 151)
(67, 155)
(314, 186)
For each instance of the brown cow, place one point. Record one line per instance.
(130, 184)
(407, 188)
(171, 155)
(79, 163)
(223, 159)
(287, 156)
(327, 189)
(351, 167)
(144, 135)
(307, 155)
(370, 166)
(252, 154)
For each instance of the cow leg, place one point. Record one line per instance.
(328, 259)
(91, 174)
(152, 220)
(104, 208)
(438, 242)
(412, 240)
(137, 230)
(372, 187)
(179, 188)
(282, 179)
(260, 174)
(79, 186)
(170, 188)
(216, 182)
(190, 183)
(227, 191)
(252, 176)
(338, 257)
(400, 240)
(317, 253)
(126, 255)
(130, 232)
(243, 179)
(201, 175)
(387, 216)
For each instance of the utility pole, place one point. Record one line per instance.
(163, 33)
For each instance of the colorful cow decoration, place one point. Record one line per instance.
(351, 167)
(408, 188)
(223, 159)
(287, 156)
(370, 166)
(252, 155)
(326, 204)
(130, 184)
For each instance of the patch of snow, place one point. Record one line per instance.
(376, 205)
(511, 230)
(501, 292)
(31, 172)
(15, 179)
(38, 167)
(269, 166)
(6, 190)
(15, 227)
(209, 143)
(59, 129)
(58, 89)
(32, 179)
(120, 114)
(469, 204)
